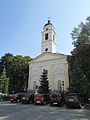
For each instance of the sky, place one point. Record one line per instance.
(22, 21)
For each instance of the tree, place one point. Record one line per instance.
(79, 61)
(44, 83)
(20, 72)
(17, 69)
(4, 82)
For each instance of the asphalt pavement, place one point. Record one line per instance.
(18, 111)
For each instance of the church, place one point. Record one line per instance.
(55, 63)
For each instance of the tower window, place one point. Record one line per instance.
(46, 36)
(46, 28)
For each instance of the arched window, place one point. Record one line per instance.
(46, 36)
(59, 85)
(46, 28)
(34, 85)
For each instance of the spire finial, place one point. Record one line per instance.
(49, 19)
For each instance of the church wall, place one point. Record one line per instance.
(57, 70)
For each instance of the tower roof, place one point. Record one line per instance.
(49, 23)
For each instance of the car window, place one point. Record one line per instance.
(39, 95)
(72, 97)
(55, 95)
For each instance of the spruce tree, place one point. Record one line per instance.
(4, 81)
(44, 83)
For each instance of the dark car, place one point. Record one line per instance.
(56, 99)
(1, 95)
(16, 97)
(88, 100)
(41, 99)
(28, 98)
(72, 100)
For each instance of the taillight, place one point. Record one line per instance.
(14, 97)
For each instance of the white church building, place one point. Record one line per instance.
(55, 63)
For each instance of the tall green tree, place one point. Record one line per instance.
(79, 61)
(44, 83)
(17, 69)
(4, 82)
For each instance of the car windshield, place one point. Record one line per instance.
(72, 97)
(38, 95)
(26, 95)
(55, 95)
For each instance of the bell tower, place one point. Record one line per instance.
(48, 43)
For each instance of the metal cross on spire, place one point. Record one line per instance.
(49, 18)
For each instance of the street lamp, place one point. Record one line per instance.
(63, 86)
(63, 97)
(36, 89)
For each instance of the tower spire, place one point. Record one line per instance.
(49, 19)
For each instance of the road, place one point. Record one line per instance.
(18, 111)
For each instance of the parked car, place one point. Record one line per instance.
(16, 97)
(4, 97)
(72, 100)
(28, 98)
(56, 99)
(41, 99)
(1, 95)
(88, 100)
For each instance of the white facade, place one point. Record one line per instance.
(55, 63)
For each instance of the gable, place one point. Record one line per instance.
(48, 56)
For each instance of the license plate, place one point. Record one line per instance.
(23, 98)
(71, 100)
(55, 103)
(38, 102)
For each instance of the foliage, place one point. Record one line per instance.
(17, 69)
(79, 61)
(4, 82)
(44, 83)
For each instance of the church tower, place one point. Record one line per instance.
(48, 43)
(55, 63)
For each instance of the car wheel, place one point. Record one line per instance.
(43, 103)
(60, 105)
(30, 102)
(22, 102)
(67, 106)
(51, 104)
(79, 107)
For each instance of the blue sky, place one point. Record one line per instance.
(22, 21)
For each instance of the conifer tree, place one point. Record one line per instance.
(4, 81)
(44, 83)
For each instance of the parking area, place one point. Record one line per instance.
(19, 111)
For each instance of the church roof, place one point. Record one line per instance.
(46, 56)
